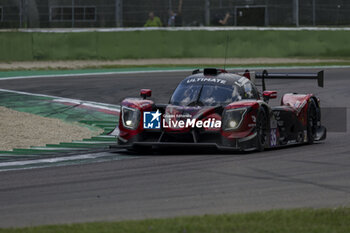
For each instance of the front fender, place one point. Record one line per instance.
(141, 105)
(248, 121)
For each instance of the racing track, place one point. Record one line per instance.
(177, 184)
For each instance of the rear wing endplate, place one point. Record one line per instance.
(265, 75)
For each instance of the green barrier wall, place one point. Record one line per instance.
(17, 46)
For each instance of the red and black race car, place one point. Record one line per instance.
(222, 110)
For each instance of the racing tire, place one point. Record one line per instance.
(261, 130)
(311, 121)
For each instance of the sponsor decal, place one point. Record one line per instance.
(213, 80)
(273, 137)
(277, 115)
(273, 122)
(242, 81)
(297, 104)
(254, 118)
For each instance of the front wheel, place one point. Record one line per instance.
(261, 129)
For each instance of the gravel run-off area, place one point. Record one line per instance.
(22, 130)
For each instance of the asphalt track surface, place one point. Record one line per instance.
(174, 184)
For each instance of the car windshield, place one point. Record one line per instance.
(204, 95)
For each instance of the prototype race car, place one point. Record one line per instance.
(222, 110)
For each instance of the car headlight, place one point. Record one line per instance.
(232, 118)
(130, 117)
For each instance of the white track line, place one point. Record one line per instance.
(171, 71)
(86, 104)
(110, 107)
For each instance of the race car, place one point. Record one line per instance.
(217, 109)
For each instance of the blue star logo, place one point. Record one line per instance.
(151, 120)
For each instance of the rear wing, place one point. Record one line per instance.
(265, 75)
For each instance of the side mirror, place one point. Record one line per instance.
(144, 93)
(267, 95)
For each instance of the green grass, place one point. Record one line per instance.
(192, 66)
(23, 46)
(274, 221)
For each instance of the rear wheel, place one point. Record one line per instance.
(261, 129)
(311, 121)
